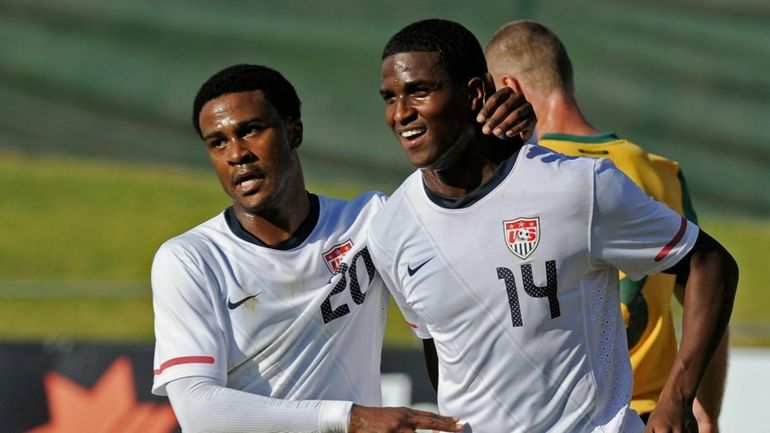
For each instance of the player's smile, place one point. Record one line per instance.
(412, 137)
(424, 107)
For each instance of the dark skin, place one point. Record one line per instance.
(254, 153)
(433, 116)
(253, 150)
(422, 107)
(712, 277)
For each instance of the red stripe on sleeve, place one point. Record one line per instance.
(411, 325)
(184, 360)
(672, 243)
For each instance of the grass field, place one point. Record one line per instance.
(77, 239)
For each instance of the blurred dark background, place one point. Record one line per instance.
(115, 79)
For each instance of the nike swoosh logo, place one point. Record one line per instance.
(411, 271)
(234, 305)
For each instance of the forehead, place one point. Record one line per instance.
(235, 108)
(412, 66)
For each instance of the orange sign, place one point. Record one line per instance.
(109, 407)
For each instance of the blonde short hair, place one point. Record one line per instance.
(532, 52)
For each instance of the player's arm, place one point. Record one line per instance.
(431, 361)
(708, 401)
(202, 404)
(712, 277)
(507, 114)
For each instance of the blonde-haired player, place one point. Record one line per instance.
(530, 58)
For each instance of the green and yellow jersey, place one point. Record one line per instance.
(646, 304)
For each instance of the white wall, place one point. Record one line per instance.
(746, 406)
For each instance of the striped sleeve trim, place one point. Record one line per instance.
(664, 252)
(184, 360)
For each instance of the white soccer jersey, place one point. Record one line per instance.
(517, 285)
(301, 321)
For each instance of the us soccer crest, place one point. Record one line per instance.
(522, 236)
(334, 256)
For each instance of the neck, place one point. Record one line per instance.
(276, 223)
(559, 113)
(471, 169)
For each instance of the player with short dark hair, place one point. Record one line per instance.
(531, 59)
(242, 78)
(457, 54)
(270, 316)
(506, 265)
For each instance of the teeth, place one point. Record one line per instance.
(246, 184)
(412, 132)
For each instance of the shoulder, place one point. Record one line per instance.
(362, 206)
(545, 163)
(396, 203)
(635, 153)
(195, 242)
(664, 164)
(392, 221)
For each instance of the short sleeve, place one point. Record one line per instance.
(385, 264)
(188, 338)
(633, 232)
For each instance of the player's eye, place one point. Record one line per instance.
(421, 92)
(216, 143)
(252, 129)
(388, 97)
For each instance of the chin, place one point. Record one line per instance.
(420, 159)
(256, 204)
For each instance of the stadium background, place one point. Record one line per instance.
(99, 163)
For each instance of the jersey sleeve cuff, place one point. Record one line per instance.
(671, 255)
(334, 417)
(181, 371)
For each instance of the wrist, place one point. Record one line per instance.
(334, 417)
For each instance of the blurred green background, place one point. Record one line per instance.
(99, 163)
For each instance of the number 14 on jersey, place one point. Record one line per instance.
(531, 289)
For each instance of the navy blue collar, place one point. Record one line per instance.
(296, 238)
(477, 194)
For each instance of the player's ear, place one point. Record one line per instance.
(294, 131)
(477, 92)
(512, 82)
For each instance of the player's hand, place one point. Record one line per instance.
(507, 114)
(365, 419)
(672, 417)
(706, 424)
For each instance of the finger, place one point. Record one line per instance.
(511, 123)
(527, 133)
(493, 102)
(416, 413)
(523, 129)
(431, 421)
(436, 424)
(510, 111)
(507, 115)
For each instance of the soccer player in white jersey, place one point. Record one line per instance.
(269, 317)
(507, 264)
